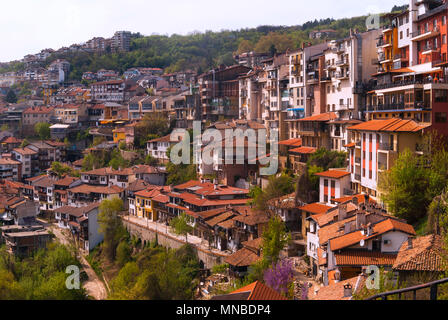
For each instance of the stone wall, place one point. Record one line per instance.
(208, 258)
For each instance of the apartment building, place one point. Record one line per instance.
(375, 147)
(34, 115)
(29, 160)
(104, 91)
(121, 41)
(219, 91)
(10, 169)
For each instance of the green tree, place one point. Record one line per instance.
(4, 127)
(404, 188)
(11, 97)
(181, 225)
(275, 239)
(42, 129)
(277, 187)
(111, 225)
(124, 253)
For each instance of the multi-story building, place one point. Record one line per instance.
(121, 41)
(29, 160)
(34, 115)
(375, 147)
(10, 169)
(219, 91)
(108, 91)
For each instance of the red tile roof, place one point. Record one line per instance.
(316, 208)
(323, 117)
(390, 125)
(304, 150)
(426, 254)
(335, 291)
(242, 258)
(334, 174)
(382, 227)
(364, 258)
(259, 291)
(291, 142)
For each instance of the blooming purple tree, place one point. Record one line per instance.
(280, 276)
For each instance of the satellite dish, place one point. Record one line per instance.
(362, 243)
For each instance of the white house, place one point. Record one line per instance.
(333, 184)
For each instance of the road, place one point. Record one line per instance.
(93, 285)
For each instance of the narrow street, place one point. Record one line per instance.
(94, 285)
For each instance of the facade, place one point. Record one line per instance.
(376, 145)
(104, 91)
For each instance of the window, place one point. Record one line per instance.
(443, 20)
(407, 32)
(444, 39)
(401, 34)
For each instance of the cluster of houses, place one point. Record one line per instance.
(371, 95)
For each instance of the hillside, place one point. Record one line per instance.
(201, 51)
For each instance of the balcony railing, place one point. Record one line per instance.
(399, 106)
(432, 295)
(407, 83)
(422, 31)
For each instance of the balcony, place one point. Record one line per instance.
(423, 34)
(399, 106)
(342, 62)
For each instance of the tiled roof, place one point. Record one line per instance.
(304, 150)
(326, 218)
(426, 254)
(382, 227)
(316, 208)
(335, 291)
(334, 174)
(222, 217)
(323, 117)
(291, 142)
(84, 188)
(360, 197)
(242, 258)
(259, 291)
(364, 258)
(67, 181)
(11, 140)
(25, 151)
(390, 125)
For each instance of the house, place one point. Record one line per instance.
(287, 208)
(157, 148)
(343, 290)
(23, 211)
(46, 154)
(83, 195)
(421, 257)
(240, 261)
(10, 169)
(8, 143)
(256, 291)
(61, 187)
(43, 191)
(35, 115)
(333, 184)
(25, 243)
(83, 223)
(104, 91)
(119, 135)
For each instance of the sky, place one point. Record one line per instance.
(28, 26)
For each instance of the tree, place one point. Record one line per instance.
(11, 97)
(181, 225)
(62, 170)
(111, 225)
(280, 277)
(404, 188)
(42, 129)
(4, 127)
(275, 238)
(245, 46)
(277, 187)
(124, 252)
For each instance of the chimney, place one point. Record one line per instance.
(360, 219)
(348, 290)
(369, 229)
(342, 214)
(410, 244)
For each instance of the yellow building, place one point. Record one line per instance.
(119, 135)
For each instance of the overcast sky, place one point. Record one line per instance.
(27, 26)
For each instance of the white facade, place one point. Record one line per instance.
(338, 187)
